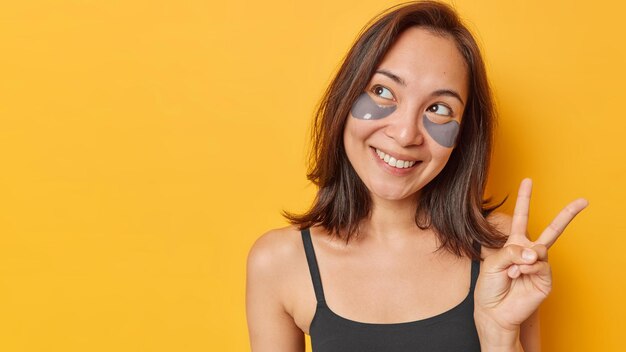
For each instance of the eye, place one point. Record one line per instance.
(440, 109)
(382, 92)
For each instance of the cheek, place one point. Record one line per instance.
(444, 134)
(365, 108)
(442, 154)
(356, 135)
(440, 157)
(357, 131)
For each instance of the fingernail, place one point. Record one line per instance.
(528, 254)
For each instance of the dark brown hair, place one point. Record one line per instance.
(452, 203)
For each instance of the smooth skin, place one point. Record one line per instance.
(393, 272)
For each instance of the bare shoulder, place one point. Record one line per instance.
(502, 222)
(273, 250)
(272, 272)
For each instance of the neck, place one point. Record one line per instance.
(391, 219)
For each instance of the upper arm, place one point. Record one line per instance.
(530, 336)
(270, 327)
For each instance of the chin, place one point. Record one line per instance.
(392, 193)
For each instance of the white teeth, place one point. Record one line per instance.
(380, 154)
(391, 161)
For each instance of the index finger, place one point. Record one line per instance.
(519, 222)
(560, 222)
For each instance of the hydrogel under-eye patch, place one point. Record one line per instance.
(365, 108)
(444, 134)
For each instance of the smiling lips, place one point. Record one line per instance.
(391, 161)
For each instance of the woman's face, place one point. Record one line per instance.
(411, 111)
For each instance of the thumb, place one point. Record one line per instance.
(509, 255)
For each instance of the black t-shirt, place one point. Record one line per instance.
(451, 331)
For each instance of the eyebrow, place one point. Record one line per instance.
(395, 78)
(437, 93)
(447, 93)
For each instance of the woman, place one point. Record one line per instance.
(399, 252)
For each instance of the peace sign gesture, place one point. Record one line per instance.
(515, 279)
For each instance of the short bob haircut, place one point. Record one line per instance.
(452, 203)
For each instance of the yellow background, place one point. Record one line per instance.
(145, 145)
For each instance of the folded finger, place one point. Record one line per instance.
(540, 268)
(513, 271)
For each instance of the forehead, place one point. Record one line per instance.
(427, 60)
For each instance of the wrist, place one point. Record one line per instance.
(496, 338)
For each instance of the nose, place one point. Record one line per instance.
(404, 128)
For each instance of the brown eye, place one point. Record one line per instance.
(382, 92)
(440, 109)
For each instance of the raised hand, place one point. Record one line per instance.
(515, 279)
